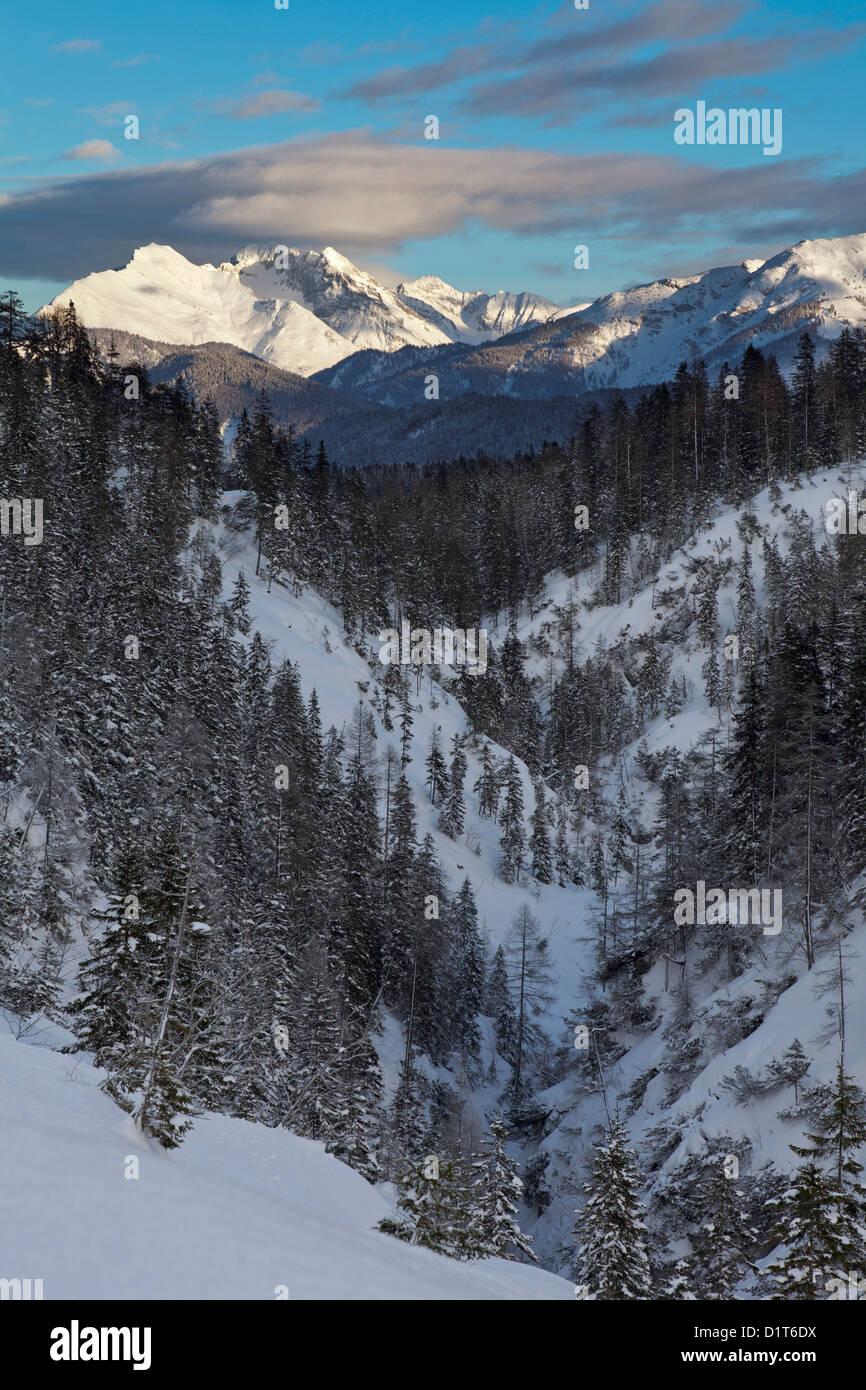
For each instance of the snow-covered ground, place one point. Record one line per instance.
(240, 1211)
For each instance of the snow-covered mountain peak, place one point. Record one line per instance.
(307, 309)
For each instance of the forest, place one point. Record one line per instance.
(251, 885)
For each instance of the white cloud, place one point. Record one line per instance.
(77, 46)
(93, 149)
(272, 103)
(369, 197)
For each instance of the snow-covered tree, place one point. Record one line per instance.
(613, 1258)
(496, 1192)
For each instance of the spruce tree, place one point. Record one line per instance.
(437, 772)
(512, 840)
(613, 1259)
(840, 1133)
(433, 1207)
(487, 786)
(539, 840)
(794, 1066)
(496, 1195)
(467, 973)
(724, 1238)
(499, 1007)
(816, 1246)
(453, 815)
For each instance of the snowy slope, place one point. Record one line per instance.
(704, 1111)
(161, 295)
(644, 333)
(638, 337)
(308, 631)
(235, 1213)
(290, 1214)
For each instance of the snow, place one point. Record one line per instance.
(309, 632)
(703, 1111)
(644, 333)
(163, 296)
(297, 309)
(474, 316)
(316, 308)
(238, 1211)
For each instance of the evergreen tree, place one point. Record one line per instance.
(467, 972)
(840, 1133)
(437, 772)
(529, 981)
(815, 1247)
(613, 1259)
(794, 1066)
(433, 1207)
(497, 1192)
(539, 840)
(107, 1010)
(453, 815)
(512, 841)
(406, 722)
(499, 1007)
(487, 786)
(724, 1238)
(240, 603)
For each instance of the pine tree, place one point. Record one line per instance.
(512, 841)
(240, 603)
(467, 974)
(529, 982)
(723, 1240)
(794, 1066)
(712, 682)
(437, 773)
(496, 1195)
(816, 1248)
(406, 722)
(840, 1133)
(805, 403)
(539, 840)
(561, 849)
(111, 980)
(487, 786)
(433, 1207)
(613, 1259)
(708, 612)
(499, 1007)
(453, 815)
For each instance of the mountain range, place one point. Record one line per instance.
(314, 316)
(298, 310)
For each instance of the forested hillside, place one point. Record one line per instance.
(414, 912)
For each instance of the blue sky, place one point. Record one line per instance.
(306, 126)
